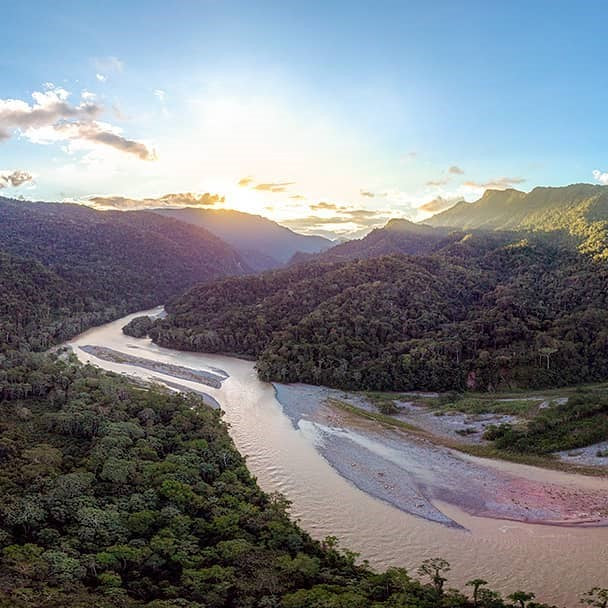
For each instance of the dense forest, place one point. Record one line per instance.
(478, 314)
(119, 495)
(64, 268)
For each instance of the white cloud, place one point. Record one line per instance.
(601, 177)
(51, 118)
(14, 178)
(101, 77)
(161, 95)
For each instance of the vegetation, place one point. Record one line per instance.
(138, 327)
(477, 315)
(112, 495)
(579, 422)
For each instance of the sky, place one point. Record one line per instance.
(329, 117)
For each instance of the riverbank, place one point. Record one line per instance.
(412, 472)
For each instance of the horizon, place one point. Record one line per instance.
(241, 103)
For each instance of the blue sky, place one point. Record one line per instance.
(328, 102)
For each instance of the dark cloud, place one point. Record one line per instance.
(456, 170)
(367, 193)
(183, 199)
(14, 178)
(439, 204)
(92, 131)
(500, 183)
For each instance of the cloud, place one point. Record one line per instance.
(161, 95)
(245, 181)
(343, 220)
(95, 132)
(183, 199)
(438, 182)
(439, 204)
(366, 193)
(107, 65)
(14, 178)
(500, 183)
(325, 206)
(601, 177)
(298, 197)
(456, 170)
(273, 186)
(52, 118)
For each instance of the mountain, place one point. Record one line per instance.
(397, 236)
(480, 313)
(262, 242)
(578, 210)
(92, 266)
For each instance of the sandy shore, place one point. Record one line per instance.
(410, 472)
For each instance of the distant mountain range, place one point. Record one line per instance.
(579, 211)
(262, 242)
(575, 215)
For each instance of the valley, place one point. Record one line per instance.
(391, 495)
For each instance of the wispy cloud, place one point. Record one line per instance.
(500, 183)
(248, 182)
(601, 176)
(107, 65)
(298, 197)
(273, 186)
(324, 206)
(456, 170)
(366, 193)
(245, 181)
(183, 199)
(53, 118)
(14, 178)
(438, 182)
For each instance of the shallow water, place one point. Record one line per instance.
(557, 563)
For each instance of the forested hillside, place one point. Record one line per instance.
(579, 210)
(66, 267)
(479, 314)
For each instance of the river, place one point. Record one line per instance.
(557, 563)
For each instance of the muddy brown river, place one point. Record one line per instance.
(557, 563)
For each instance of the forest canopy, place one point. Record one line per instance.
(480, 313)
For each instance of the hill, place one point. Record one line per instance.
(478, 314)
(65, 267)
(262, 242)
(579, 210)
